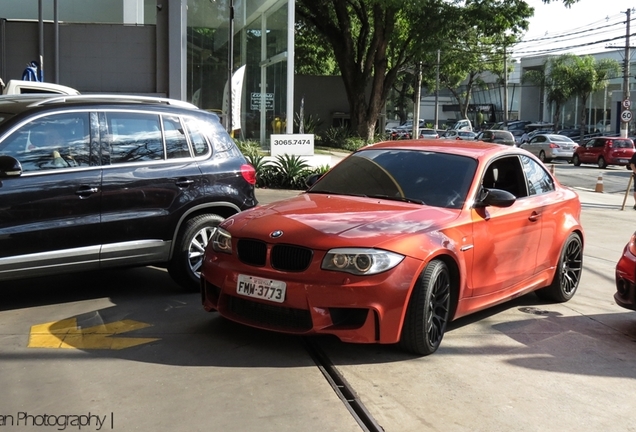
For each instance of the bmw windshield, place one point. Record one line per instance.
(424, 177)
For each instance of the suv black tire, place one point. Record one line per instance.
(193, 237)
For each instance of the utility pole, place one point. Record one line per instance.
(625, 124)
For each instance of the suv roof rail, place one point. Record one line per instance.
(115, 98)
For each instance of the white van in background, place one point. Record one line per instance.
(22, 87)
(462, 125)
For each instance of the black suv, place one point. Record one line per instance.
(90, 182)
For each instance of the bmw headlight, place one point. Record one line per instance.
(222, 241)
(360, 261)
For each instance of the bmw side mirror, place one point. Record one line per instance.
(495, 198)
(10, 167)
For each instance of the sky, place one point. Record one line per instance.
(556, 29)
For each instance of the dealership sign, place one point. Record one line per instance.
(293, 144)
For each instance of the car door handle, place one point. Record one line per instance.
(85, 191)
(184, 183)
(534, 217)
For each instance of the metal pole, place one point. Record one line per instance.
(230, 67)
(291, 20)
(41, 36)
(505, 101)
(416, 101)
(437, 93)
(625, 125)
(56, 26)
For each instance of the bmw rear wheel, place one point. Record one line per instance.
(567, 274)
(187, 259)
(428, 310)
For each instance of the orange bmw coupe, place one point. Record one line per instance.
(397, 240)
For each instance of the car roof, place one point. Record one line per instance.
(15, 104)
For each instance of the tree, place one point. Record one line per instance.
(585, 76)
(553, 78)
(375, 40)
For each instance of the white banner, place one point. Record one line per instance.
(293, 144)
(237, 91)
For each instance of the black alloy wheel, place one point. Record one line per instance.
(428, 310)
(568, 272)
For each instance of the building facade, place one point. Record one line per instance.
(173, 48)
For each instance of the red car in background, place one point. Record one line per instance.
(626, 276)
(604, 151)
(395, 241)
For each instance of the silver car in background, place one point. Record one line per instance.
(550, 147)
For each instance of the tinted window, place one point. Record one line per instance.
(50, 142)
(176, 142)
(199, 143)
(133, 137)
(539, 181)
(437, 179)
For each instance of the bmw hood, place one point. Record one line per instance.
(316, 220)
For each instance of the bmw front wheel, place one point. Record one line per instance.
(428, 310)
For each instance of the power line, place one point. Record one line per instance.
(573, 46)
(573, 33)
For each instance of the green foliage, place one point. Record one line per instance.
(312, 54)
(289, 172)
(310, 123)
(335, 137)
(353, 143)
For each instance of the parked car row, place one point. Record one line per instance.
(98, 181)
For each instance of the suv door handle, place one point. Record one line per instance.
(184, 183)
(86, 191)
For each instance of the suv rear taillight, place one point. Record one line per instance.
(610, 143)
(249, 173)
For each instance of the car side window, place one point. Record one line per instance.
(538, 180)
(506, 174)
(599, 143)
(50, 142)
(176, 142)
(133, 137)
(199, 143)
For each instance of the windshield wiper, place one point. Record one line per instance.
(398, 198)
(336, 193)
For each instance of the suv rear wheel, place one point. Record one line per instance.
(185, 266)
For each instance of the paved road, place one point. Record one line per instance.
(523, 366)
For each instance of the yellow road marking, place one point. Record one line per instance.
(66, 334)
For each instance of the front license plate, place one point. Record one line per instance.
(266, 289)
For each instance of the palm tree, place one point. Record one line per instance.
(586, 76)
(553, 79)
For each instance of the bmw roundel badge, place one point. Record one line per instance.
(276, 234)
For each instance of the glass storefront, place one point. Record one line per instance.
(81, 11)
(259, 44)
